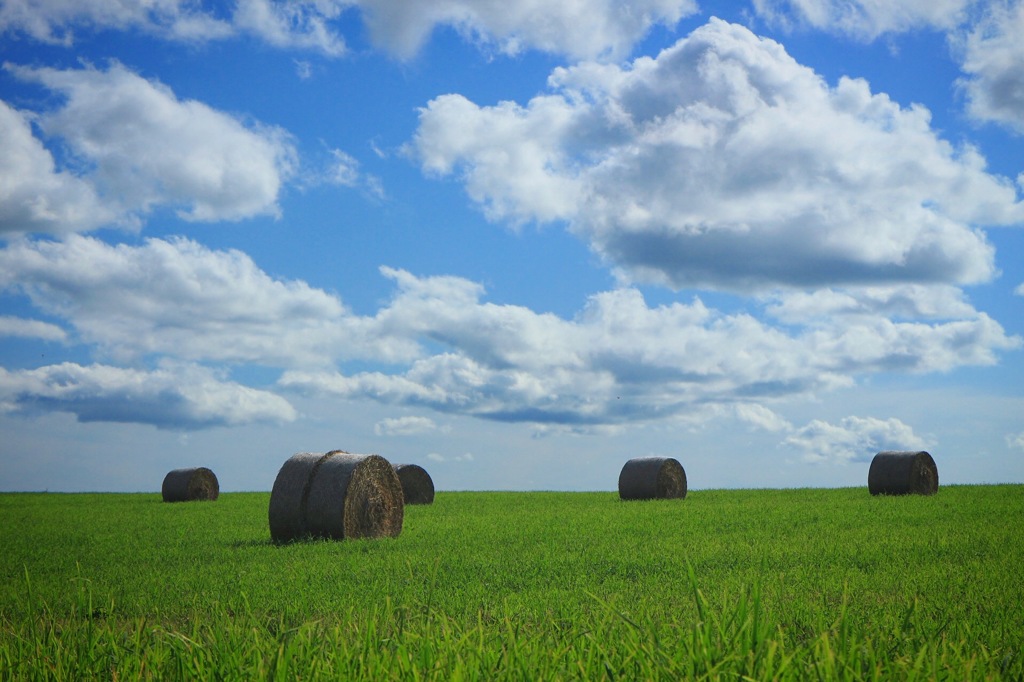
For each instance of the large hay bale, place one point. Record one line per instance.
(903, 473)
(417, 486)
(190, 485)
(335, 495)
(648, 478)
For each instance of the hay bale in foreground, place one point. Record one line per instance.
(335, 495)
(417, 486)
(648, 478)
(190, 485)
(903, 473)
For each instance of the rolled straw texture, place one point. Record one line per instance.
(335, 495)
(648, 478)
(903, 473)
(190, 485)
(417, 486)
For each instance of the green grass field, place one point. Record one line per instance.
(740, 584)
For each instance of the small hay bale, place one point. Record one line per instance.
(648, 478)
(903, 473)
(417, 486)
(335, 495)
(190, 485)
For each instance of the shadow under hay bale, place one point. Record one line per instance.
(903, 473)
(190, 485)
(335, 495)
(417, 486)
(649, 478)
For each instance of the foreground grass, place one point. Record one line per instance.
(793, 584)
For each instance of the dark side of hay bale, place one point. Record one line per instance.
(190, 485)
(903, 473)
(335, 495)
(650, 478)
(417, 486)
(288, 497)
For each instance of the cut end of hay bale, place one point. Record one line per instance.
(651, 478)
(190, 485)
(417, 486)
(903, 473)
(335, 495)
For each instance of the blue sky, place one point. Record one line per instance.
(516, 243)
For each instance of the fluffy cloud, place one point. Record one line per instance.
(30, 329)
(34, 195)
(724, 163)
(172, 397)
(618, 361)
(55, 21)
(181, 299)
(145, 148)
(993, 55)
(906, 302)
(864, 19)
(621, 361)
(854, 439)
(291, 24)
(1015, 440)
(583, 29)
(587, 28)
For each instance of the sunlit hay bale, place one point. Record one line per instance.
(335, 495)
(903, 473)
(189, 485)
(417, 486)
(647, 478)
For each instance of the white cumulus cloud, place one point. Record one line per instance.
(56, 21)
(181, 299)
(621, 361)
(287, 24)
(30, 329)
(173, 396)
(440, 345)
(580, 29)
(722, 162)
(34, 195)
(993, 62)
(853, 439)
(144, 148)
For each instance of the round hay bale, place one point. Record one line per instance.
(903, 473)
(417, 486)
(648, 478)
(288, 497)
(335, 495)
(190, 485)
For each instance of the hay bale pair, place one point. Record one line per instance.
(336, 495)
(650, 478)
(190, 485)
(895, 472)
